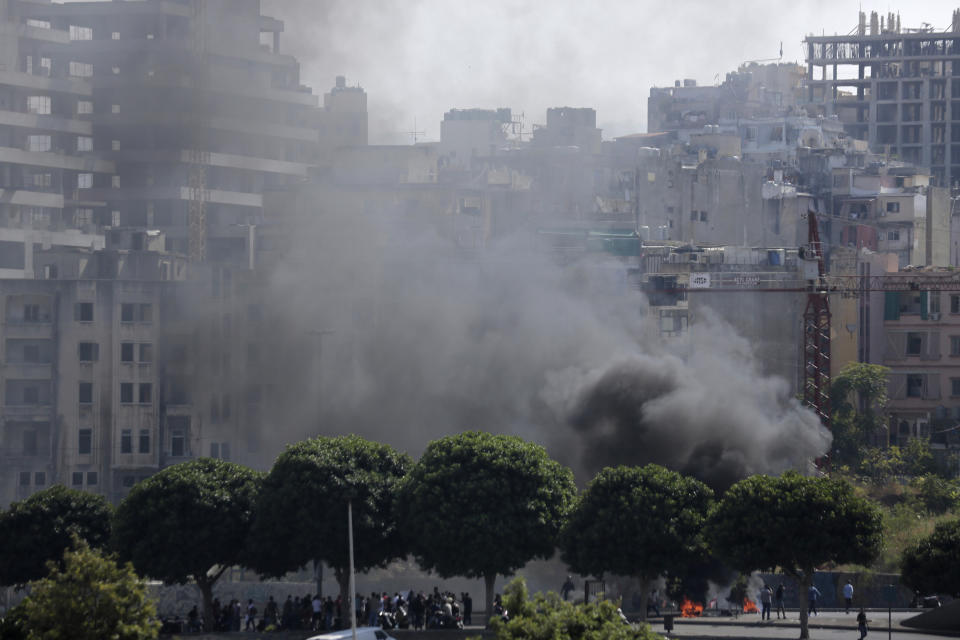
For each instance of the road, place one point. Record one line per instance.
(831, 625)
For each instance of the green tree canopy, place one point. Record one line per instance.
(482, 505)
(90, 598)
(933, 565)
(548, 617)
(796, 523)
(189, 521)
(302, 511)
(39, 529)
(656, 515)
(858, 396)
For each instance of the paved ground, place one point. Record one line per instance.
(829, 625)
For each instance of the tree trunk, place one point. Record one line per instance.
(806, 581)
(644, 596)
(318, 576)
(205, 585)
(489, 580)
(343, 580)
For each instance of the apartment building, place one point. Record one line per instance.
(895, 87)
(892, 209)
(46, 145)
(81, 376)
(923, 352)
(200, 112)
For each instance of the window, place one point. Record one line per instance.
(84, 181)
(955, 345)
(214, 410)
(88, 351)
(751, 134)
(84, 107)
(130, 312)
(31, 353)
(126, 352)
(80, 33)
(126, 392)
(41, 180)
(85, 442)
(955, 303)
(83, 312)
(146, 393)
(85, 392)
(115, 182)
(126, 441)
(31, 395)
(214, 449)
(38, 143)
(77, 478)
(92, 478)
(144, 441)
(40, 478)
(693, 216)
(115, 145)
(915, 385)
(81, 69)
(39, 105)
(955, 386)
(146, 352)
(24, 478)
(914, 344)
(225, 450)
(30, 442)
(84, 143)
(115, 35)
(115, 70)
(893, 207)
(177, 443)
(703, 216)
(38, 24)
(114, 108)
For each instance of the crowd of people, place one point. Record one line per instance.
(315, 613)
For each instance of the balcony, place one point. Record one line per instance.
(44, 411)
(28, 370)
(27, 330)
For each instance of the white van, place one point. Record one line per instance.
(363, 633)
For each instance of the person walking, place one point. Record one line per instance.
(862, 623)
(766, 595)
(812, 595)
(778, 596)
(848, 595)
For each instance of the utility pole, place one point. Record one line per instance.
(318, 369)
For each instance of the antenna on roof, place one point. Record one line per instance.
(415, 133)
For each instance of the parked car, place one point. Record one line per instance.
(363, 633)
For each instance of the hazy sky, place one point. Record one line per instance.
(419, 58)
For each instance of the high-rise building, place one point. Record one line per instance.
(895, 87)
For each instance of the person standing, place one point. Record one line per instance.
(467, 609)
(812, 595)
(848, 595)
(862, 623)
(766, 595)
(779, 599)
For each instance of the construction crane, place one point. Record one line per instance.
(818, 287)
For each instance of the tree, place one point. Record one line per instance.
(548, 617)
(90, 598)
(657, 515)
(858, 396)
(933, 565)
(302, 511)
(39, 529)
(796, 523)
(480, 505)
(189, 521)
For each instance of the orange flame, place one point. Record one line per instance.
(690, 609)
(749, 606)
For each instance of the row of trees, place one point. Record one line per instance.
(475, 505)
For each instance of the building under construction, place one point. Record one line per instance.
(896, 87)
